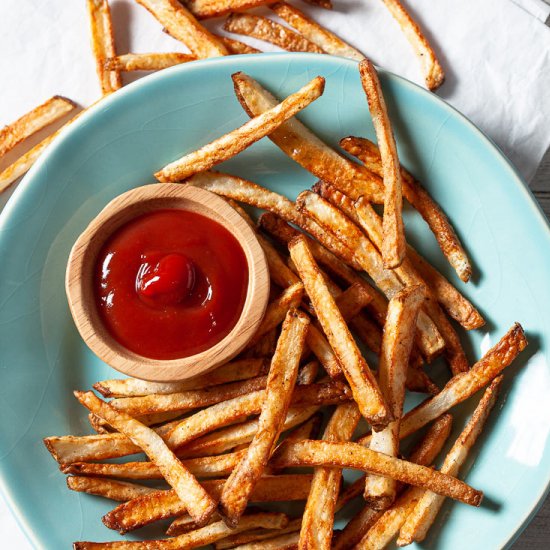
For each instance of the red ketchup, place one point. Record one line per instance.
(170, 284)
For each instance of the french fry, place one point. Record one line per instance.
(267, 30)
(419, 381)
(424, 454)
(393, 242)
(318, 518)
(303, 146)
(368, 153)
(103, 44)
(182, 25)
(236, 47)
(357, 457)
(187, 400)
(199, 504)
(147, 509)
(397, 344)
(120, 491)
(257, 535)
(265, 346)
(280, 383)
(323, 38)
(234, 142)
(363, 384)
(204, 9)
(418, 523)
(146, 61)
(433, 72)
(35, 120)
(429, 340)
(202, 467)
(193, 539)
(239, 369)
(464, 385)
(282, 542)
(277, 309)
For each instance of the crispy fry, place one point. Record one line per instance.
(146, 61)
(180, 23)
(203, 9)
(267, 30)
(363, 384)
(35, 120)
(318, 518)
(419, 381)
(187, 400)
(265, 346)
(202, 467)
(280, 383)
(199, 504)
(368, 153)
(433, 72)
(424, 454)
(239, 139)
(257, 535)
(233, 371)
(330, 217)
(236, 47)
(103, 44)
(120, 491)
(193, 539)
(147, 509)
(465, 384)
(397, 343)
(277, 310)
(422, 517)
(282, 542)
(393, 243)
(323, 38)
(302, 145)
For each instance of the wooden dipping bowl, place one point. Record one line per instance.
(80, 288)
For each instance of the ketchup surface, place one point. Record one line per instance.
(170, 284)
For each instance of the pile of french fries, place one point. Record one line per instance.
(344, 280)
(183, 21)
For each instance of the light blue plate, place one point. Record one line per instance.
(118, 144)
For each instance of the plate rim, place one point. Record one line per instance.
(66, 134)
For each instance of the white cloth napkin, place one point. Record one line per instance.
(496, 54)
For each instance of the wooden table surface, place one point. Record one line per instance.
(537, 535)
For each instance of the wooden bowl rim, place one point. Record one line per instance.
(81, 296)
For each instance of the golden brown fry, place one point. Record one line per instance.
(236, 47)
(202, 467)
(318, 518)
(146, 61)
(419, 381)
(234, 142)
(239, 369)
(193, 539)
(180, 23)
(254, 537)
(302, 145)
(425, 453)
(393, 242)
(363, 384)
(103, 44)
(368, 153)
(187, 400)
(280, 383)
(422, 517)
(147, 509)
(397, 344)
(342, 227)
(199, 504)
(120, 491)
(282, 542)
(357, 457)
(277, 309)
(433, 72)
(203, 9)
(323, 38)
(267, 30)
(265, 346)
(35, 120)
